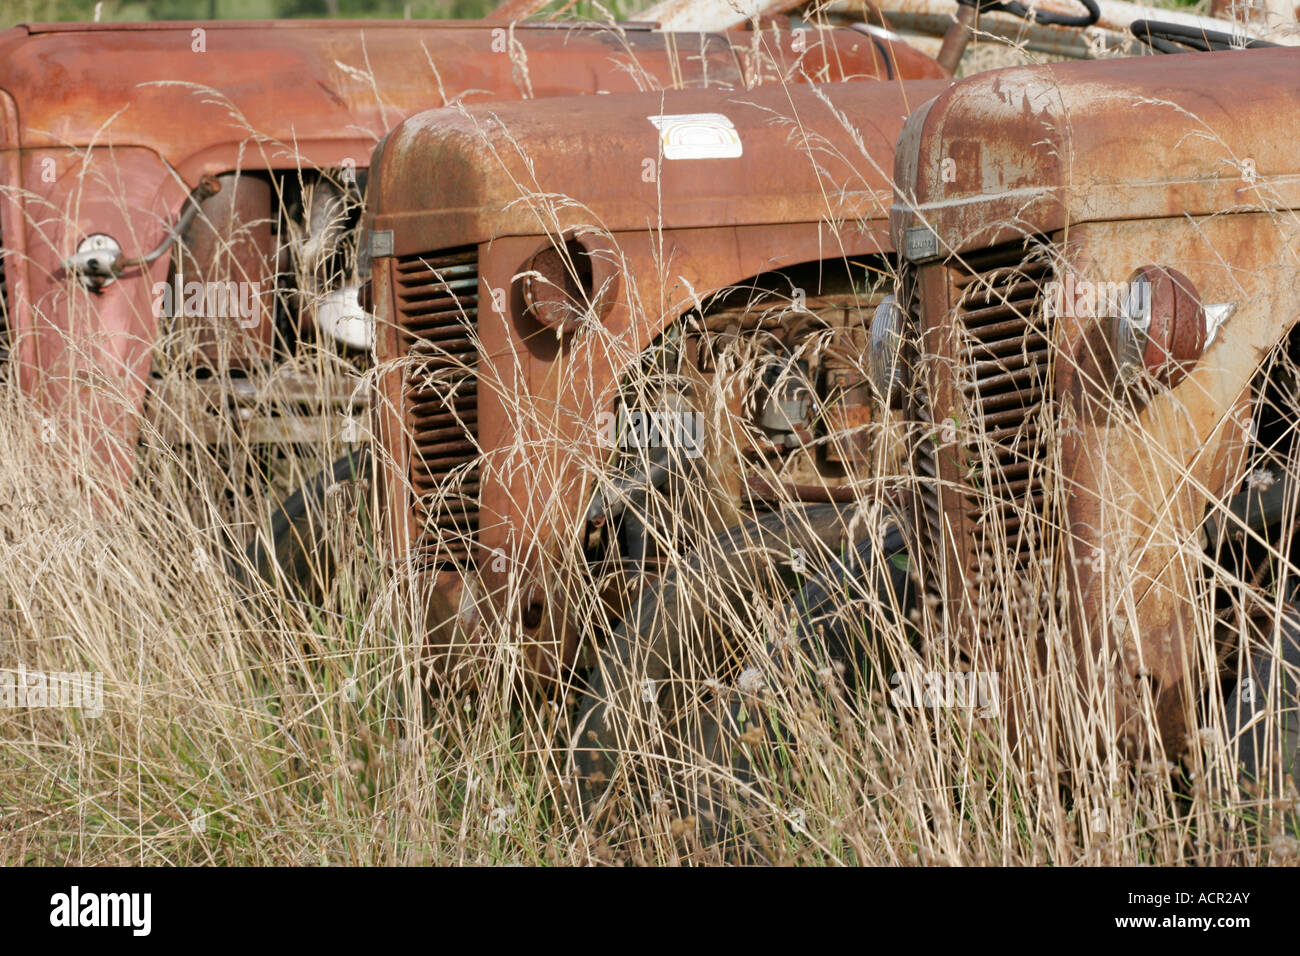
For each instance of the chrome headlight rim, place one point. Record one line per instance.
(1131, 333)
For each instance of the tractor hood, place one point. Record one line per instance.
(188, 91)
(1145, 137)
(184, 90)
(675, 160)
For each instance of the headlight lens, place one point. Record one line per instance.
(1160, 330)
(885, 357)
(1133, 329)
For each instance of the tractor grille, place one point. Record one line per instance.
(989, 353)
(1004, 345)
(437, 305)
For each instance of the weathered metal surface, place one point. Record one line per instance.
(1078, 43)
(229, 243)
(515, 9)
(201, 412)
(490, 161)
(565, 282)
(915, 21)
(712, 14)
(932, 15)
(1177, 331)
(956, 34)
(1140, 484)
(1116, 139)
(510, 179)
(1029, 451)
(171, 102)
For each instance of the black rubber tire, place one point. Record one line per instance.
(874, 574)
(1257, 721)
(643, 647)
(300, 554)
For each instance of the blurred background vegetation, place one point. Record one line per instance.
(35, 11)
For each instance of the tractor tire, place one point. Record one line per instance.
(301, 553)
(1263, 711)
(637, 691)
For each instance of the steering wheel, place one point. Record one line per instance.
(1176, 38)
(1044, 17)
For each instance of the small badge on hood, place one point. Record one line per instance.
(697, 136)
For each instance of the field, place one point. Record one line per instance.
(243, 725)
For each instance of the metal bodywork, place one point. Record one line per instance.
(105, 129)
(488, 479)
(1026, 450)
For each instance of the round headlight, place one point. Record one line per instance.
(885, 357)
(96, 261)
(566, 280)
(1160, 328)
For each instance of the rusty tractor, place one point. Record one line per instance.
(561, 314)
(507, 324)
(1093, 335)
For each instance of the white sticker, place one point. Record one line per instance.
(697, 136)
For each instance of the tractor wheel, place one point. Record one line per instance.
(1263, 711)
(663, 691)
(302, 541)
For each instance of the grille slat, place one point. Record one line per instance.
(1006, 357)
(434, 328)
(978, 298)
(1005, 416)
(1010, 363)
(1002, 500)
(978, 321)
(1010, 345)
(1000, 333)
(437, 301)
(1025, 399)
(998, 375)
(999, 435)
(428, 485)
(984, 384)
